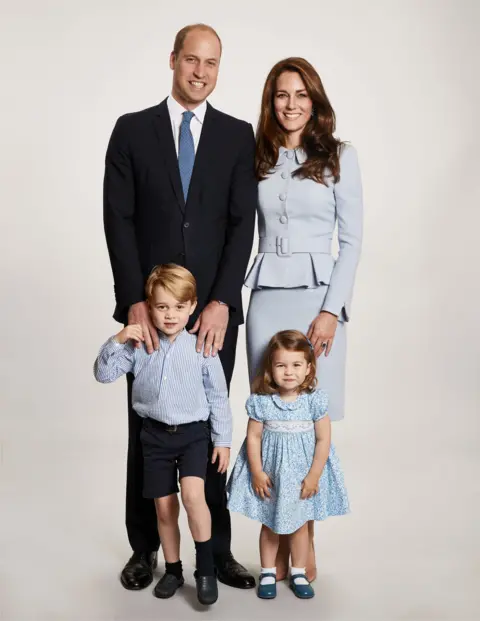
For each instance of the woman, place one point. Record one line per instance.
(309, 181)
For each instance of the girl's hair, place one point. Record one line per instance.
(318, 141)
(291, 340)
(175, 279)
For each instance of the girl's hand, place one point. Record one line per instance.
(222, 453)
(133, 332)
(309, 487)
(321, 332)
(261, 484)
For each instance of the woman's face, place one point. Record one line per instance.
(292, 104)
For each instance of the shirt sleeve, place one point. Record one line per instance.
(113, 361)
(216, 392)
(318, 404)
(254, 409)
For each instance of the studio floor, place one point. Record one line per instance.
(408, 551)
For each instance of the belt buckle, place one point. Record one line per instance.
(283, 247)
(172, 428)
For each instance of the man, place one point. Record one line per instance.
(180, 187)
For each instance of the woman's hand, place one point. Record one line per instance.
(261, 484)
(322, 332)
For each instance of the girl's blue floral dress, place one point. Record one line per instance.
(288, 446)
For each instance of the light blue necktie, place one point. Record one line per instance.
(186, 152)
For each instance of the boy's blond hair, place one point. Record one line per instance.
(175, 279)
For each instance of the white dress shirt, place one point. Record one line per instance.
(176, 111)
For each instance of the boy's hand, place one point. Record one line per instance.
(222, 453)
(130, 333)
(139, 313)
(309, 487)
(262, 484)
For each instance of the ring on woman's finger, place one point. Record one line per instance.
(324, 344)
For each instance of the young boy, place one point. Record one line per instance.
(182, 397)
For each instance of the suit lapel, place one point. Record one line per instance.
(163, 128)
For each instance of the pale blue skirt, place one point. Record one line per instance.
(273, 310)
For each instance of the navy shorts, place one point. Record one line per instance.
(171, 452)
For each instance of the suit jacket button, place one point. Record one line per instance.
(186, 225)
(284, 175)
(283, 219)
(282, 197)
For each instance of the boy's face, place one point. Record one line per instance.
(169, 314)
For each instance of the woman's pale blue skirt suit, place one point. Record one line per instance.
(294, 276)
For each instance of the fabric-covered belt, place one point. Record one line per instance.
(286, 246)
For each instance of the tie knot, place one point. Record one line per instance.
(188, 116)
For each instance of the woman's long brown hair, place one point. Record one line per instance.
(318, 141)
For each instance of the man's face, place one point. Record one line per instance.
(195, 68)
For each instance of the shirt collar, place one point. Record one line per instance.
(164, 337)
(299, 152)
(176, 110)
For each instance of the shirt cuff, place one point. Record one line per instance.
(116, 344)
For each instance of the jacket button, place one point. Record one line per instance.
(290, 154)
(284, 175)
(186, 225)
(282, 197)
(283, 219)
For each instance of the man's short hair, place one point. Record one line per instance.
(182, 35)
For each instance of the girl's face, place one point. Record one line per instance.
(289, 370)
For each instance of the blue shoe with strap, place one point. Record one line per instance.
(303, 591)
(267, 591)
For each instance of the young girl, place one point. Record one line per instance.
(287, 472)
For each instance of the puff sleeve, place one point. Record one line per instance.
(254, 409)
(318, 404)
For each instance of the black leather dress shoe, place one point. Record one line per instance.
(231, 573)
(167, 586)
(138, 572)
(207, 589)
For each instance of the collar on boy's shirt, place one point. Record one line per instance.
(164, 337)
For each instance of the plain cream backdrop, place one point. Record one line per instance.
(403, 79)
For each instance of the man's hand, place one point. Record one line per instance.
(222, 453)
(139, 314)
(211, 326)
